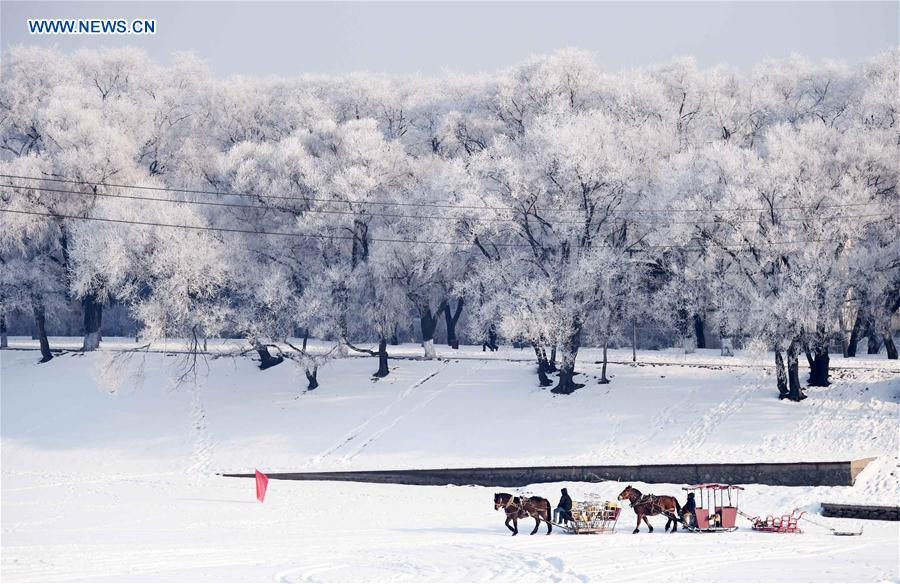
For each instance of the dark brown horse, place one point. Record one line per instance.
(649, 505)
(521, 507)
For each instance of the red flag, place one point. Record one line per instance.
(262, 481)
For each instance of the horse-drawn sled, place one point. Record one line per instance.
(592, 516)
(710, 508)
(717, 509)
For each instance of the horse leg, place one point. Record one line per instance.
(508, 526)
(515, 525)
(549, 525)
(674, 523)
(650, 527)
(638, 526)
(537, 523)
(669, 519)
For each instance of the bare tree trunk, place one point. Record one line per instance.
(686, 329)
(818, 370)
(312, 381)
(566, 384)
(395, 340)
(451, 319)
(541, 366)
(266, 359)
(551, 363)
(37, 306)
(854, 336)
(603, 378)
(428, 346)
(699, 334)
(874, 339)
(889, 345)
(490, 342)
(428, 322)
(360, 250)
(845, 344)
(794, 389)
(892, 305)
(383, 370)
(633, 341)
(780, 375)
(93, 318)
(808, 353)
(4, 341)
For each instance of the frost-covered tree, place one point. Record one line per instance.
(785, 224)
(553, 203)
(561, 178)
(71, 136)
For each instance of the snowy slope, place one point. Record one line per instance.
(450, 412)
(108, 469)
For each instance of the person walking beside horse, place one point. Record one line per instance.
(520, 507)
(649, 505)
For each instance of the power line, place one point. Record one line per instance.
(254, 195)
(224, 229)
(419, 204)
(376, 239)
(401, 215)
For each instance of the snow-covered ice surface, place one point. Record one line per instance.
(108, 467)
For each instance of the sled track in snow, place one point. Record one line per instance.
(795, 474)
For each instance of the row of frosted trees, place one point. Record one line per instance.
(552, 204)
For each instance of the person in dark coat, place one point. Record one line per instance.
(563, 511)
(690, 509)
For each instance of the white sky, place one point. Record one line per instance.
(288, 38)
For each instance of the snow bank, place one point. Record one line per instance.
(107, 472)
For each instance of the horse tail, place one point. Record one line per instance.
(549, 516)
(677, 506)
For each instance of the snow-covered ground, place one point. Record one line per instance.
(108, 467)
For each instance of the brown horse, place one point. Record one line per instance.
(520, 507)
(645, 505)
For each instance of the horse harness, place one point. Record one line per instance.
(517, 507)
(649, 500)
(511, 506)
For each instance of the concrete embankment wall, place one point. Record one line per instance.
(861, 511)
(841, 473)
